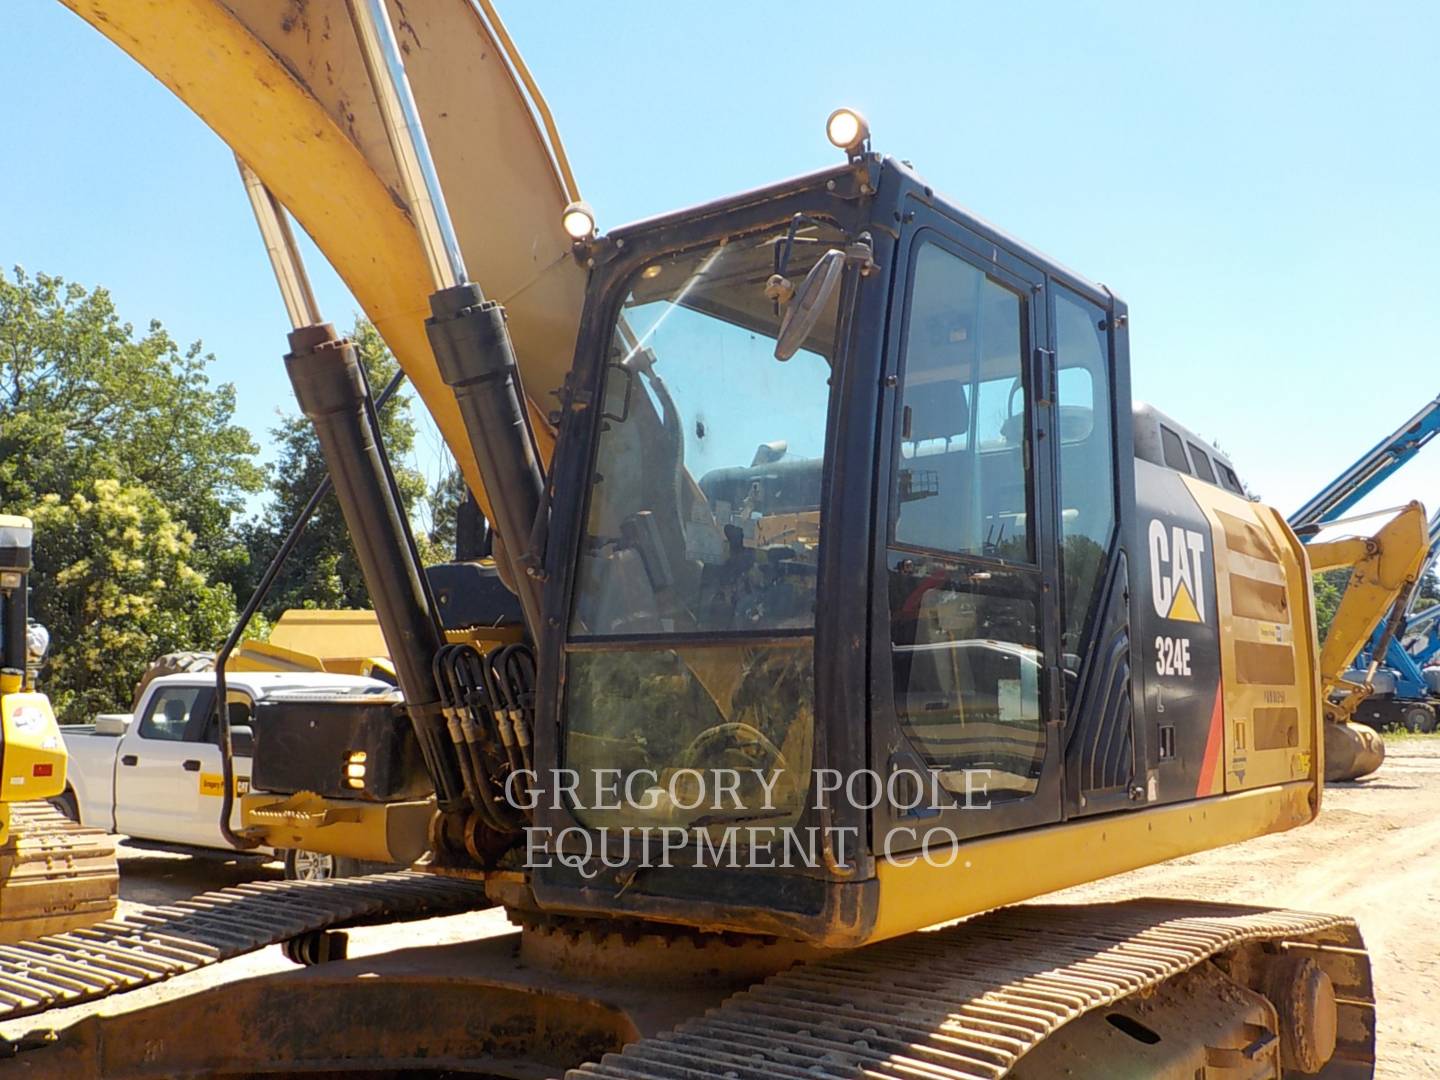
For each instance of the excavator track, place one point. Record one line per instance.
(970, 1001)
(55, 874)
(158, 943)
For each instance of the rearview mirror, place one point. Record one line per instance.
(809, 302)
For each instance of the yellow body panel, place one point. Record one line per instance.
(284, 86)
(345, 642)
(32, 765)
(1269, 667)
(1005, 869)
(341, 632)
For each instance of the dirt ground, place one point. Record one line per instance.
(1374, 854)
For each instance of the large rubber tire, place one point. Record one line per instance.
(1418, 718)
(1352, 751)
(175, 663)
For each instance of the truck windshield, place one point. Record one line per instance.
(704, 517)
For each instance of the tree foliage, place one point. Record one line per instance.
(444, 500)
(322, 570)
(83, 397)
(1427, 594)
(129, 460)
(1329, 587)
(118, 587)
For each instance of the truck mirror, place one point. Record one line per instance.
(810, 299)
(242, 740)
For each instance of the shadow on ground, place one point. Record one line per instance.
(159, 877)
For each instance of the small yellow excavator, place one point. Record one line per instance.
(854, 598)
(55, 875)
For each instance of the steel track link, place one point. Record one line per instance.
(159, 943)
(969, 1001)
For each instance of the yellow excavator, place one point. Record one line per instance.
(853, 599)
(55, 875)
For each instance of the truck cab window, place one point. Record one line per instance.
(171, 710)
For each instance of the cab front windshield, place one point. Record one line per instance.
(703, 518)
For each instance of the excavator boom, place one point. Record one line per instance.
(286, 87)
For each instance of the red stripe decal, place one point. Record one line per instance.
(1212, 746)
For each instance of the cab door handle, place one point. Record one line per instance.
(193, 765)
(129, 759)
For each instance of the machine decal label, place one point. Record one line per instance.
(1172, 656)
(214, 784)
(1177, 572)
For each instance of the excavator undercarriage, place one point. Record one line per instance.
(1153, 988)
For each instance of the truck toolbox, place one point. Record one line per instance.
(356, 745)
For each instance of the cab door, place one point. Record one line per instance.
(967, 688)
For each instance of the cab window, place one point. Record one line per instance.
(171, 710)
(1087, 461)
(962, 478)
(964, 590)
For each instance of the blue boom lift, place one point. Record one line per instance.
(1404, 693)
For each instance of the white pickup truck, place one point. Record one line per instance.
(155, 776)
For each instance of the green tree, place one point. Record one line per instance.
(84, 397)
(129, 460)
(1427, 595)
(1329, 587)
(322, 570)
(121, 587)
(444, 500)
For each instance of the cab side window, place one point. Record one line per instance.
(962, 472)
(1087, 459)
(171, 710)
(964, 585)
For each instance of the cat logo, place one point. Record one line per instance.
(1177, 572)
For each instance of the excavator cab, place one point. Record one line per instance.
(841, 615)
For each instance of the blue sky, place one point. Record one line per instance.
(1258, 181)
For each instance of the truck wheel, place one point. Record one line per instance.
(316, 866)
(66, 804)
(175, 663)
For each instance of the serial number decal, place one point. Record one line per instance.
(1172, 656)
